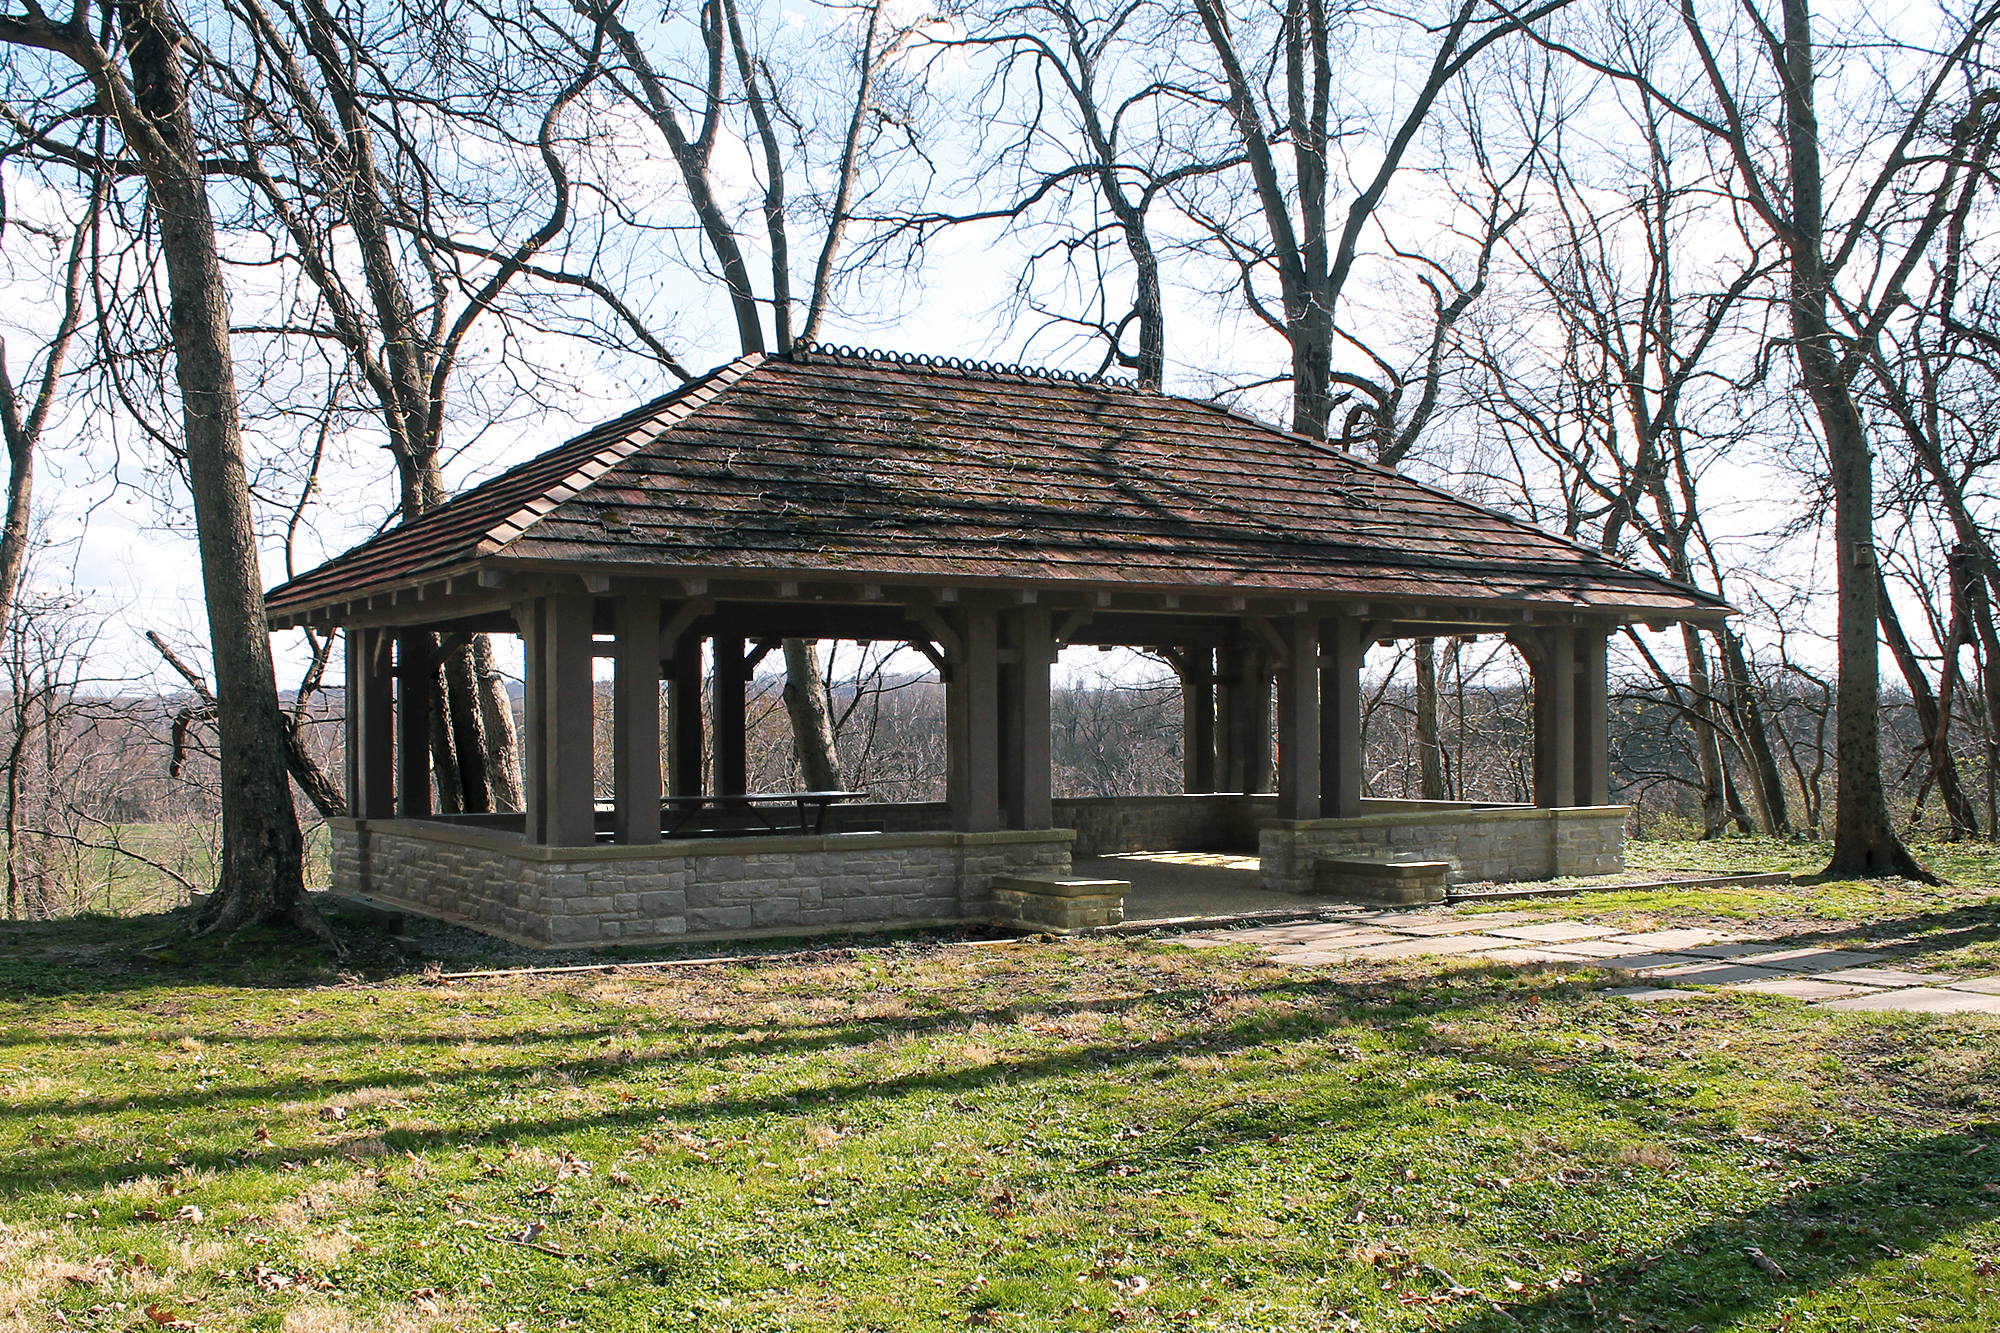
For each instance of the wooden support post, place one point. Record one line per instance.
(684, 717)
(1341, 652)
(1255, 721)
(1024, 743)
(635, 714)
(562, 797)
(1198, 720)
(1230, 667)
(727, 718)
(972, 726)
(1553, 665)
(371, 726)
(1593, 720)
(1298, 721)
(413, 723)
(531, 618)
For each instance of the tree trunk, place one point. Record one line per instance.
(1708, 750)
(1756, 734)
(810, 707)
(1933, 722)
(496, 729)
(1864, 837)
(261, 876)
(1430, 751)
(450, 783)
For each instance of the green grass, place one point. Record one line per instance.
(1077, 1135)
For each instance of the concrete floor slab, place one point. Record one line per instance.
(1640, 962)
(1553, 932)
(1645, 994)
(1488, 920)
(1800, 988)
(1884, 976)
(1169, 886)
(1593, 949)
(1450, 944)
(1740, 949)
(1673, 939)
(1979, 985)
(1816, 960)
(1529, 956)
(1921, 1000)
(1427, 929)
(1713, 974)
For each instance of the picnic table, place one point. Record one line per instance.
(753, 812)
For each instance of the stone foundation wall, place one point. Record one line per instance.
(1106, 824)
(495, 882)
(1103, 824)
(1504, 844)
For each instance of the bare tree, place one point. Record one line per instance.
(1296, 243)
(132, 58)
(734, 82)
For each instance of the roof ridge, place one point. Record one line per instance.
(615, 451)
(804, 354)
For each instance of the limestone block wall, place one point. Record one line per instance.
(495, 882)
(1106, 824)
(1103, 824)
(1502, 844)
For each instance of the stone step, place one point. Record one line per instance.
(1053, 885)
(1059, 904)
(1368, 880)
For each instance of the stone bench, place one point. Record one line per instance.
(1398, 882)
(1058, 904)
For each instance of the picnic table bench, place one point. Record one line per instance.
(752, 812)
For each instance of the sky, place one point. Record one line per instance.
(122, 540)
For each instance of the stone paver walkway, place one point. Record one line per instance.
(1668, 960)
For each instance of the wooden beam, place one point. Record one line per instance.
(1342, 649)
(1298, 720)
(371, 726)
(682, 620)
(1197, 672)
(559, 677)
(940, 630)
(972, 727)
(1593, 708)
(684, 735)
(635, 712)
(413, 724)
(1553, 668)
(727, 723)
(1277, 643)
(1025, 760)
(1066, 631)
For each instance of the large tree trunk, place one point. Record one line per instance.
(261, 874)
(1708, 750)
(1430, 749)
(1933, 722)
(807, 701)
(1756, 734)
(496, 729)
(1864, 836)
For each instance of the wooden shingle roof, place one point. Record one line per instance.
(827, 466)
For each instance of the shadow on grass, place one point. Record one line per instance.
(1191, 1030)
(1868, 1214)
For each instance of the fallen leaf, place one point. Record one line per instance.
(166, 1318)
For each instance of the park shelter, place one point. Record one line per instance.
(988, 516)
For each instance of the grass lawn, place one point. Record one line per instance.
(1047, 1135)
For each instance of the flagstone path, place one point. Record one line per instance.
(1667, 961)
